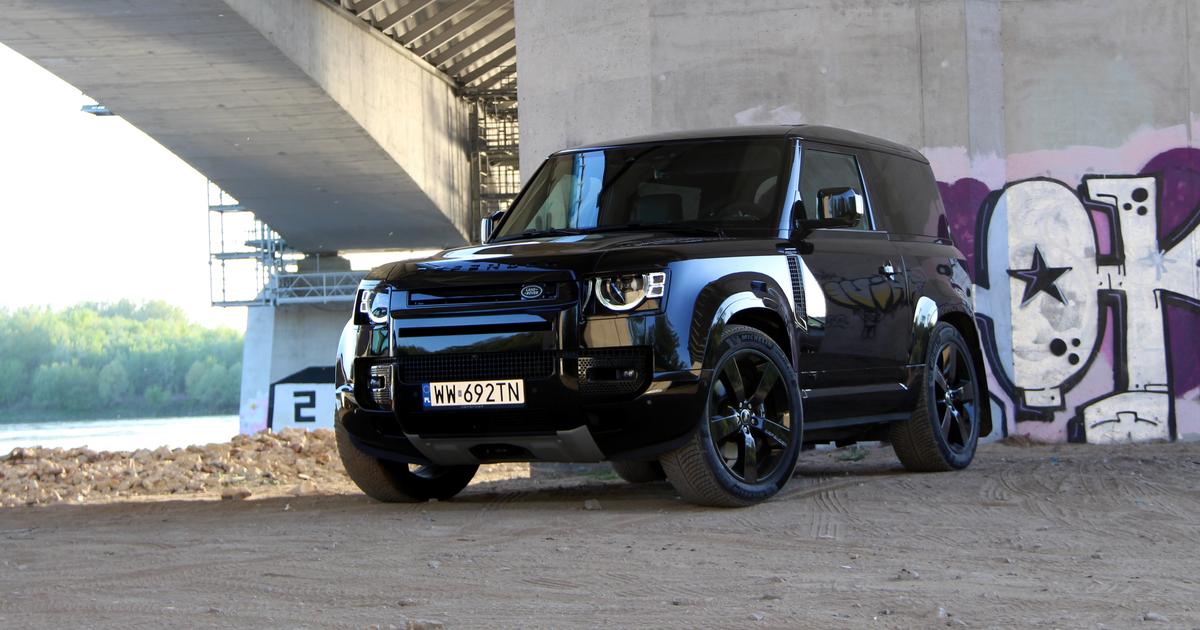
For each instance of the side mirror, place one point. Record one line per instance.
(836, 208)
(488, 224)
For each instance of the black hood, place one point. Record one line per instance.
(547, 258)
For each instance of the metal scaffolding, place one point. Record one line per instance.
(244, 253)
(495, 152)
(251, 265)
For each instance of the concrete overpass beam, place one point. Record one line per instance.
(410, 109)
(332, 133)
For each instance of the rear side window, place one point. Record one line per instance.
(904, 196)
(826, 169)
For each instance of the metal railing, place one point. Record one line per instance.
(314, 288)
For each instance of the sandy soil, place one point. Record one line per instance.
(1029, 536)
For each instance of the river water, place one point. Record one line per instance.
(119, 435)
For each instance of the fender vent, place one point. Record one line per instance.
(797, 285)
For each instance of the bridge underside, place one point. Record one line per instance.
(208, 85)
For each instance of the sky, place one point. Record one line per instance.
(94, 210)
(91, 209)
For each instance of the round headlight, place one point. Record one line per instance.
(626, 292)
(379, 306)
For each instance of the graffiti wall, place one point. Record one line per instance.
(1088, 291)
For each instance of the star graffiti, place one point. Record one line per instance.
(1039, 278)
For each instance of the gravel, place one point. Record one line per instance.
(295, 460)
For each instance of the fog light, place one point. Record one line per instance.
(613, 372)
(381, 384)
(608, 373)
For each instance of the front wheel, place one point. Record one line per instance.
(944, 428)
(398, 482)
(639, 472)
(745, 447)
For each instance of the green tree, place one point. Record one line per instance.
(68, 386)
(205, 380)
(13, 378)
(113, 382)
(233, 386)
(92, 357)
(156, 397)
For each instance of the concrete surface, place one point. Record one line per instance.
(592, 71)
(998, 77)
(1055, 537)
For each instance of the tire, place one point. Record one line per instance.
(943, 432)
(767, 422)
(397, 482)
(639, 472)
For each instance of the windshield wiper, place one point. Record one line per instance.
(693, 229)
(545, 232)
(661, 227)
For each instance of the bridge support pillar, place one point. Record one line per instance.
(287, 366)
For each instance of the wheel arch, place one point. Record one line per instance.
(767, 321)
(964, 323)
(749, 309)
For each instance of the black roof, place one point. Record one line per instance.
(815, 133)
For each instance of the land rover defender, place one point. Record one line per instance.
(697, 306)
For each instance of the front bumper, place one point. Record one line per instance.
(557, 423)
(580, 404)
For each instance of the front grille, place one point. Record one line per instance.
(431, 368)
(483, 294)
(613, 372)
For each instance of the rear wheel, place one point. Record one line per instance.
(639, 472)
(944, 428)
(745, 448)
(397, 482)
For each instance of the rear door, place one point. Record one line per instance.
(861, 345)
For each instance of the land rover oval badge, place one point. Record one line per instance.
(531, 291)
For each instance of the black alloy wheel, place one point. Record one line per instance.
(943, 432)
(745, 446)
(750, 429)
(954, 397)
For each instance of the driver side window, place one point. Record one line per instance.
(825, 169)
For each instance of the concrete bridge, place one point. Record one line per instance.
(340, 130)
(1065, 127)
(360, 125)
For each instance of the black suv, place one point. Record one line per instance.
(699, 306)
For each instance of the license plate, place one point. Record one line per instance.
(474, 393)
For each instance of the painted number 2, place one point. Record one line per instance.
(310, 403)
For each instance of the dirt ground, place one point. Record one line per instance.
(1029, 536)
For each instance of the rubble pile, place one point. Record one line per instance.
(292, 460)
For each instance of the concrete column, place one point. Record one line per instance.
(287, 365)
(985, 91)
(256, 368)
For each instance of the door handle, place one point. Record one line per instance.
(888, 270)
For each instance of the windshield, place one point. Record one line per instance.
(717, 186)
